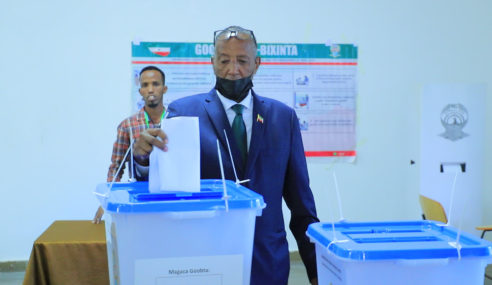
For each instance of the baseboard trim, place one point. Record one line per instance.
(16, 266)
(294, 256)
(13, 266)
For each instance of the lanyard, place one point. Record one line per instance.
(147, 118)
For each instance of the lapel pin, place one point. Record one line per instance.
(259, 119)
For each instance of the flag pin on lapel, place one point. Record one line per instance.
(259, 119)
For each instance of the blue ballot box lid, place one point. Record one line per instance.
(135, 197)
(396, 240)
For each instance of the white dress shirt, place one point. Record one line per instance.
(247, 102)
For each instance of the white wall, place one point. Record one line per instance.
(65, 84)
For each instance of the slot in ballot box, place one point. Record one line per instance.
(178, 238)
(406, 252)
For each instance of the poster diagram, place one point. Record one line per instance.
(319, 81)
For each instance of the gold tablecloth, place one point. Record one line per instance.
(69, 253)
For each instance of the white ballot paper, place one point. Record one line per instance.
(177, 169)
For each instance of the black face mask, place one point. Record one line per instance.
(235, 90)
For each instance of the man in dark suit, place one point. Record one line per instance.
(267, 148)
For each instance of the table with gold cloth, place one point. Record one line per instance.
(69, 253)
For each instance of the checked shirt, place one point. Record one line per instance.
(137, 125)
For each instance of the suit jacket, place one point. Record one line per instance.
(276, 167)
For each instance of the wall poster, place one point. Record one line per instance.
(319, 81)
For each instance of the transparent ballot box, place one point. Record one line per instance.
(178, 238)
(406, 252)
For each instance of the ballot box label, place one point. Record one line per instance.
(190, 280)
(210, 270)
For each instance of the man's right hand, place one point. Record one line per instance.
(144, 143)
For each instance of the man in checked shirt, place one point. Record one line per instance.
(152, 89)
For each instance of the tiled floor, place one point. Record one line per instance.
(298, 273)
(297, 276)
